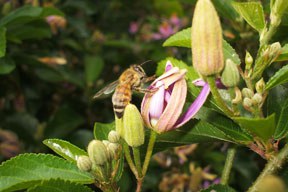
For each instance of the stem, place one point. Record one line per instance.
(149, 151)
(267, 36)
(137, 160)
(219, 101)
(271, 167)
(129, 159)
(139, 185)
(228, 165)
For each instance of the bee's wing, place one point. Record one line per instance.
(106, 90)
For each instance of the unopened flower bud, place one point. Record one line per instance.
(248, 60)
(134, 127)
(257, 99)
(113, 137)
(247, 93)
(247, 103)
(274, 50)
(112, 149)
(84, 163)
(97, 152)
(272, 183)
(238, 96)
(230, 76)
(207, 48)
(106, 142)
(260, 86)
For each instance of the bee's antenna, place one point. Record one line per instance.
(145, 62)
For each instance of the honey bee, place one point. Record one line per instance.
(130, 80)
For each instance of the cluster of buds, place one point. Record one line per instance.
(253, 101)
(103, 158)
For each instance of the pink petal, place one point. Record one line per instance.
(174, 107)
(157, 103)
(195, 106)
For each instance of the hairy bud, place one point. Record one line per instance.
(134, 127)
(260, 86)
(207, 48)
(230, 76)
(97, 152)
(247, 93)
(248, 60)
(84, 163)
(113, 137)
(247, 102)
(257, 99)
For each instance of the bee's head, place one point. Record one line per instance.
(139, 70)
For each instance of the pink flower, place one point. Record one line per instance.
(133, 28)
(162, 110)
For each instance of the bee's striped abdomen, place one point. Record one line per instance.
(121, 98)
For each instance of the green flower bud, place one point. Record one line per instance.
(207, 48)
(134, 129)
(97, 152)
(257, 99)
(113, 137)
(274, 50)
(106, 142)
(247, 93)
(119, 126)
(260, 86)
(272, 183)
(84, 163)
(112, 149)
(247, 103)
(230, 76)
(248, 60)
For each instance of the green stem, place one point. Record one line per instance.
(271, 167)
(267, 35)
(129, 158)
(153, 136)
(219, 101)
(228, 165)
(137, 160)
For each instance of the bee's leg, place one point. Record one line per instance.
(143, 90)
(151, 78)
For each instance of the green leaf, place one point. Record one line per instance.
(7, 65)
(64, 121)
(35, 30)
(27, 170)
(60, 186)
(2, 41)
(101, 130)
(218, 188)
(263, 128)
(183, 39)
(65, 149)
(283, 54)
(93, 68)
(27, 14)
(229, 127)
(179, 39)
(252, 12)
(280, 77)
(282, 125)
(225, 9)
(193, 132)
